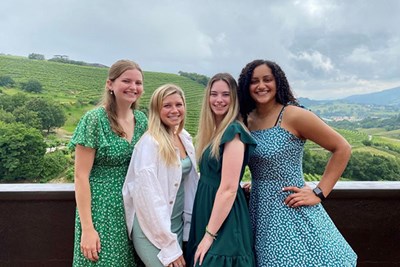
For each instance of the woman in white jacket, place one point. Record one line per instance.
(161, 182)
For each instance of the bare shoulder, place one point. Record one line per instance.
(295, 113)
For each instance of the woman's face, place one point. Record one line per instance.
(263, 85)
(128, 87)
(220, 99)
(172, 111)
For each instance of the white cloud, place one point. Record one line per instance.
(326, 47)
(317, 60)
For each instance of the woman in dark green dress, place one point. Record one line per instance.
(220, 233)
(103, 141)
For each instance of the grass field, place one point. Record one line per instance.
(77, 88)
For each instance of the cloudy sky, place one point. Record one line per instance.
(328, 49)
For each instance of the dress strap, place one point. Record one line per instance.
(279, 119)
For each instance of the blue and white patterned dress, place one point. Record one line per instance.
(284, 236)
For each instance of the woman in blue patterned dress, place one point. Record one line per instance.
(290, 226)
(103, 141)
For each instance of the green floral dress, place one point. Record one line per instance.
(106, 179)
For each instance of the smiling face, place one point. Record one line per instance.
(128, 87)
(220, 99)
(263, 85)
(172, 111)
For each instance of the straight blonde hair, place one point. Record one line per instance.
(109, 101)
(209, 134)
(157, 129)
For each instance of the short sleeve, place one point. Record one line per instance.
(87, 132)
(141, 121)
(237, 128)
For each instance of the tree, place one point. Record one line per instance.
(27, 117)
(32, 86)
(36, 56)
(6, 81)
(21, 152)
(9, 103)
(6, 117)
(202, 79)
(53, 165)
(50, 114)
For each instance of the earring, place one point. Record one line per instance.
(111, 92)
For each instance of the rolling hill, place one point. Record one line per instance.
(79, 88)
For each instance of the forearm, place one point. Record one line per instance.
(223, 203)
(83, 202)
(334, 169)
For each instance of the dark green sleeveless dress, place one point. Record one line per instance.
(234, 244)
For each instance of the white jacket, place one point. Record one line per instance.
(150, 190)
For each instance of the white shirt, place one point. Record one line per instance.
(150, 190)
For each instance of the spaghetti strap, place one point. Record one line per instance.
(279, 119)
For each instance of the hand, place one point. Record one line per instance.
(202, 249)
(301, 197)
(246, 187)
(90, 244)
(179, 262)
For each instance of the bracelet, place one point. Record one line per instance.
(214, 236)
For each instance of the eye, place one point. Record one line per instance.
(253, 81)
(139, 83)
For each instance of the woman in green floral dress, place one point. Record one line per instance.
(103, 141)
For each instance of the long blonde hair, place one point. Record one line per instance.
(109, 101)
(208, 133)
(156, 128)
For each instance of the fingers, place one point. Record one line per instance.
(291, 188)
(196, 257)
(98, 245)
(180, 262)
(91, 255)
(300, 197)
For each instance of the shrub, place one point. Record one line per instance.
(32, 86)
(6, 81)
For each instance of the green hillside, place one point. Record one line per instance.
(79, 88)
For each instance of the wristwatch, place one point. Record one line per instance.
(318, 192)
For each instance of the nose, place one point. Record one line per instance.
(174, 109)
(261, 85)
(133, 85)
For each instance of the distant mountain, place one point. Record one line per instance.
(389, 97)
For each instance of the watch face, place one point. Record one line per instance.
(317, 191)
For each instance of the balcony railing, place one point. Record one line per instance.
(37, 222)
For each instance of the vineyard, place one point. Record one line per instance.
(376, 151)
(79, 88)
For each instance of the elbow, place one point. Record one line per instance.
(343, 150)
(347, 149)
(228, 192)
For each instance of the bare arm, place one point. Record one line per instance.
(90, 241)
(308, 126)
(231, 167)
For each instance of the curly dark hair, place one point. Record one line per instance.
(284, 94)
